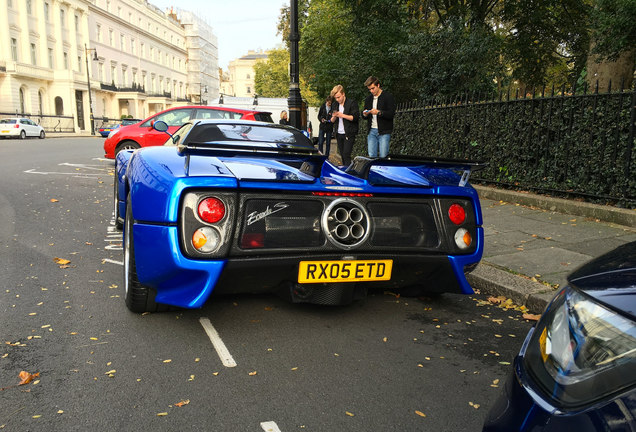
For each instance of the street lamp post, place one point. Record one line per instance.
(88, 82)
(294, 101)
(202, 90)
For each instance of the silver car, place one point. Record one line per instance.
(18, 127)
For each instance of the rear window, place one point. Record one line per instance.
(212, 114)
(264, 117)
(247, 133)
(7, 121)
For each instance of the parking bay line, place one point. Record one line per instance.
(218, 344)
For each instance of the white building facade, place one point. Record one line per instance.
(137, 59)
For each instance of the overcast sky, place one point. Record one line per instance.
(239, 25)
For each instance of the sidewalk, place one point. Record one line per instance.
(533, 243)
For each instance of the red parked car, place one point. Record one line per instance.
(142, 134)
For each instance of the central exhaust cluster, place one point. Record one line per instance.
(346, 223)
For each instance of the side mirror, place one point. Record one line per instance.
(160, 126)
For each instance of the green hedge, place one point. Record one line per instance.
(571, 145)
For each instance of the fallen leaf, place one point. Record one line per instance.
(349, 414)
(182, 403)
(26, 377)
(162, 414)
(54, 200)
(61, 261)
(531, 317)
(253, 373)
(420, 413)
(167, 361)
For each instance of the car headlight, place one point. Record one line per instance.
(581, 352)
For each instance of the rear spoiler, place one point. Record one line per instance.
(361, 165)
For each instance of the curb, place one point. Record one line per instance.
(604, 213)
(523, 292)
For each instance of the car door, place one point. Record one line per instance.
(26, 126)
(173, 118)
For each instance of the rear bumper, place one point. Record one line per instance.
(188, 283)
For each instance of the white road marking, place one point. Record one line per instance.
(76, 174)
(270, 426)
(219, 346)
(108, 260)
(93, 167)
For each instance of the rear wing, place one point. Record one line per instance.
(361, 165)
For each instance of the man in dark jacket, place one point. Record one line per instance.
(326, 127)
(379, 110)
(345, 116)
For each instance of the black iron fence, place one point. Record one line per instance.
(561, 143)
(50, 123)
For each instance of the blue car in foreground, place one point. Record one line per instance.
(577, 368)
(230, 206)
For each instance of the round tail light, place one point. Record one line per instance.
(211, 210)
(457, 214)
(463, 239)
(206, 239)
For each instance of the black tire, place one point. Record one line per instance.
(42, 134)
(22, 134)
(119, 222)
(126, 145)
(138, 297)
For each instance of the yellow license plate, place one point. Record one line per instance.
(344, 271)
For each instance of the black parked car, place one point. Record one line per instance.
(577, 368)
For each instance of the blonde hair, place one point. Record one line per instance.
(337, 89)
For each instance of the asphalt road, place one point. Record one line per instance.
(386, 363)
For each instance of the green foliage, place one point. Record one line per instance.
(613, 27)
(271, 78)
(577, 143)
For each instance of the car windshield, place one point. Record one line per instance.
(7, 121)
(248, 133)
(129, 122)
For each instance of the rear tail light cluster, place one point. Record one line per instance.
(457, 215)
(205, 223)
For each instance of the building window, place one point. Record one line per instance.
(33, 55)
(22, 104)
(79, 64)
(122, 42)
(62, 18)
(40, 103)
(249, 90)
(143, 49)
(51, 58)
(113, 73)
(100, 72)
(248, 76)
(77, 23)
(99, 33)
(65, 60)
(46, 12)
(124, 77)
(133, 50)
(29, 7)
(14, 49)
(111, 37)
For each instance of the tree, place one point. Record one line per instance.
(271, 78)
(613, 43)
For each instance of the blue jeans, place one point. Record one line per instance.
(377, 144)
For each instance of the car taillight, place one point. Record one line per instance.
(17, 126)
(206, 239)
(463, 239)
(211, 210)
(457, 214)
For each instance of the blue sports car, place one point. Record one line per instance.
(230, 206)
(577, 368)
